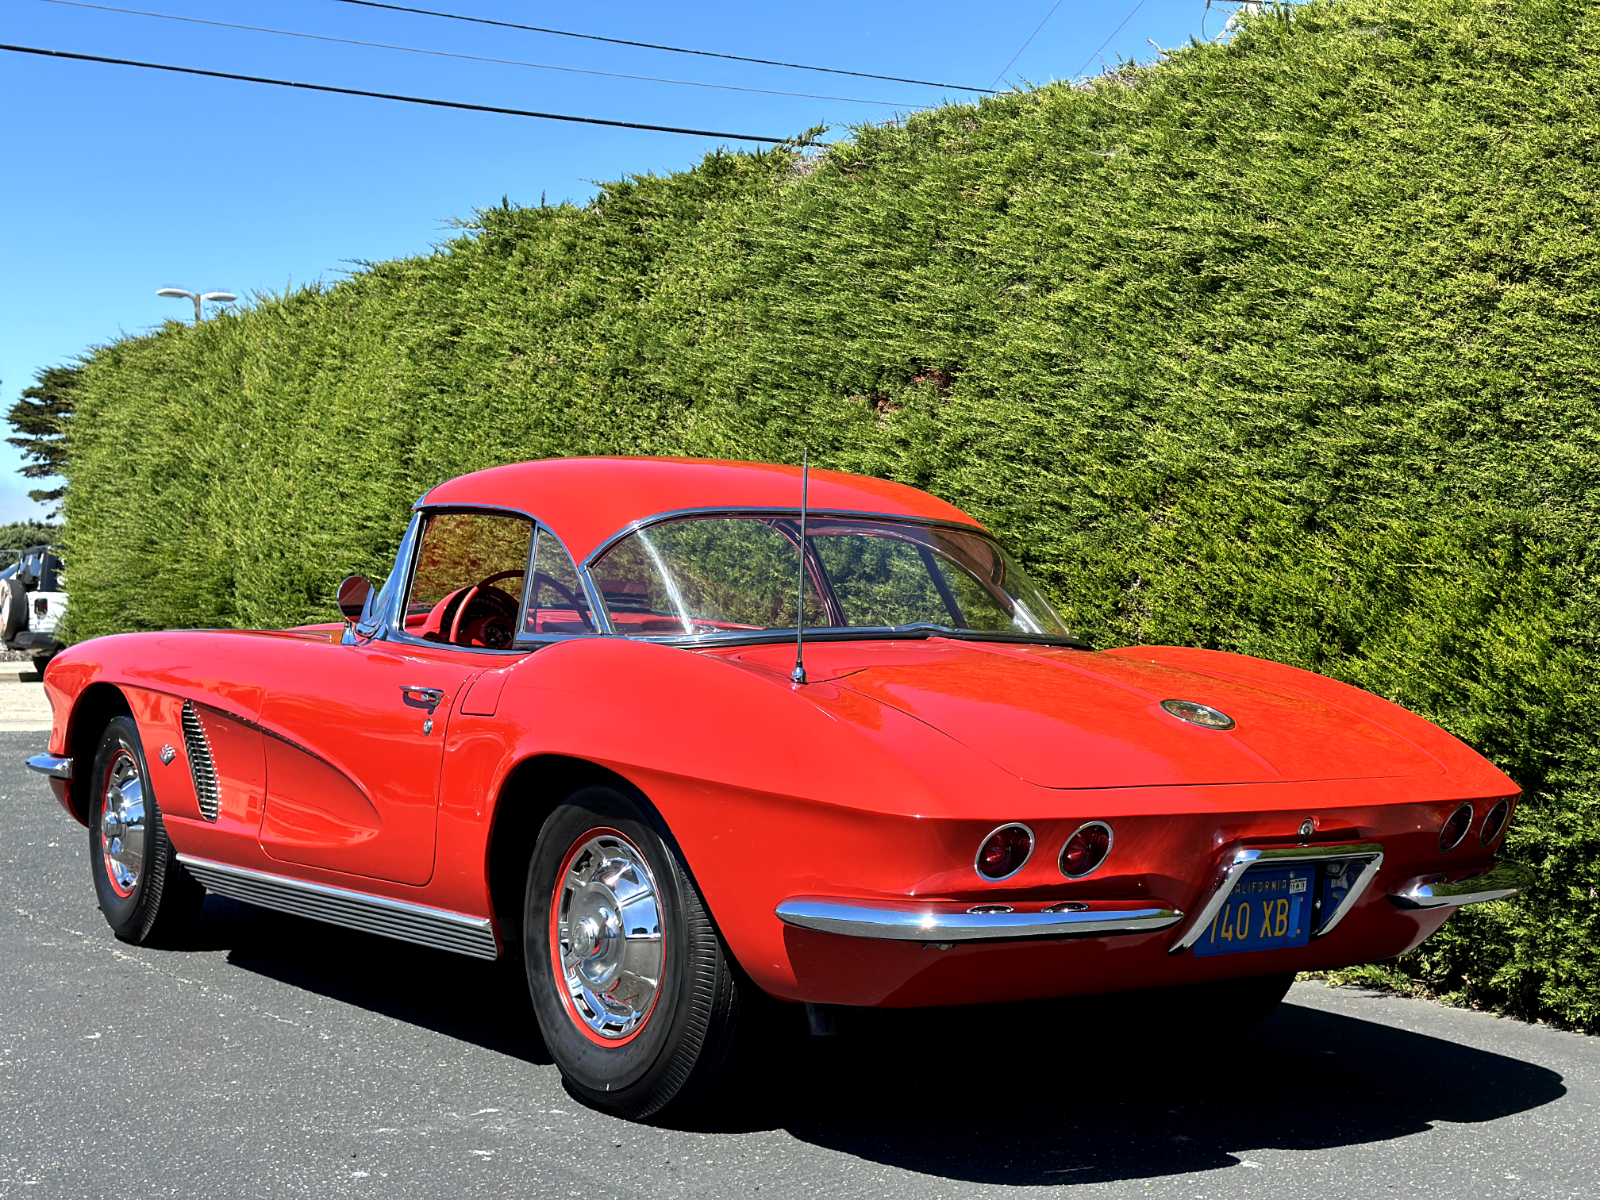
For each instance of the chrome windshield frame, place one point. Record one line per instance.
(376, 627)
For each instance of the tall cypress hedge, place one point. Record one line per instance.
(1289, 346)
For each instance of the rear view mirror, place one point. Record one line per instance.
(354, 593)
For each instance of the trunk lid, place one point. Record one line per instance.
(1064, 718)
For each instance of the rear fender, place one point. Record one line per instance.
(749, 782)
(530, 792)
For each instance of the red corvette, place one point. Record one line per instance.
(683, 735)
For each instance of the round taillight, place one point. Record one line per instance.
(1494, 823)
(1455, 828)
(1086, 849)
(1004, 852)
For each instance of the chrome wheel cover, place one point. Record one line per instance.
(606, 936)
(122, 825)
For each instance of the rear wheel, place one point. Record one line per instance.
(143, 890)
(637, 1000)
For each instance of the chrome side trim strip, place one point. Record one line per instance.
(1233, 870)
(436, 927)
(1505, 880)
(919, 923)
(52, 765)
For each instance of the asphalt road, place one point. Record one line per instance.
(276, 1057)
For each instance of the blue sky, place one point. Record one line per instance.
(119, 181)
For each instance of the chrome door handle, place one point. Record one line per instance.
(428, 695)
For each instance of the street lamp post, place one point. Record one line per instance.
(197, 297)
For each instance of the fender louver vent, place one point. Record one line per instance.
(200, 763)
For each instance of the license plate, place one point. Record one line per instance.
(1270, 909)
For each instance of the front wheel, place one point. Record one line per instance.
(638, 1003)
(143, 890)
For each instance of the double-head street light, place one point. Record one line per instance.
(197, 297)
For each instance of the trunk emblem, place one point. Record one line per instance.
(1197, 714)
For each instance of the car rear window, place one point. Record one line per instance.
(705, 576)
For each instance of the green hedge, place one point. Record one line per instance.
(1288, 346)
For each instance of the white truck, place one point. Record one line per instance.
(33, 598)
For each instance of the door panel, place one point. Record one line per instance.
(352, 761)
(315, 808)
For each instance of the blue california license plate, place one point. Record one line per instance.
(1270, 909)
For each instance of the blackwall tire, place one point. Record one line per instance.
(144, 893)
(622, 1047)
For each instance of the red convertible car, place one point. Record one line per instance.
(684, 736)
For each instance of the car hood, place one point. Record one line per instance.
(1063, 718)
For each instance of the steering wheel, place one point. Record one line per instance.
(486, 614)
(574, 601)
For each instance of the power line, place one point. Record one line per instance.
(1107, 42)
(509, 62)
(594, 37)
(1027, 43)
(344, 91)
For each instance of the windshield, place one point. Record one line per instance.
(701, 576)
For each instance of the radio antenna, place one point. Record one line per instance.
(798, 675)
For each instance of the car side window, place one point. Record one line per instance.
(466, 588)
(557, 603)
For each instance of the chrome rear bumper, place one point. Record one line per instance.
(902, 922)
(936, 924)
(52, 765)
(1438, 891)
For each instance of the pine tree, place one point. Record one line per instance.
(40, 418)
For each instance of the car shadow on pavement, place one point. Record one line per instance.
(990, 1096)
(1087, 1091)
(484, 1003)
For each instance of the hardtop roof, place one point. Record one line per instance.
(586, 500)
